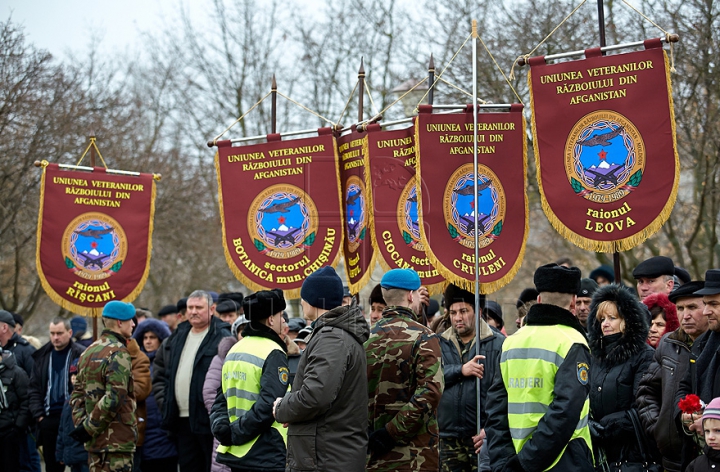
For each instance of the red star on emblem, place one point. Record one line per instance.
(352, 212)
(602, 154)
(281, 220)
(93, 244)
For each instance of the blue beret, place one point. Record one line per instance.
(118, 310)
(405, 279)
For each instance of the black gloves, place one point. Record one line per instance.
(80, 434)
(221, 431)
(597, 431)
(380, 442)
(615, 424)
(513, 465)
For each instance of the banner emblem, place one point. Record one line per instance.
(94, 246)
(407, 217)
(280, 223)
(355, 214)
(458, 205)
(604, 157)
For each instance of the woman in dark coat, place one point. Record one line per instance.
(618, 330)
(159, 453)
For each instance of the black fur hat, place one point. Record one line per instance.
(558, 279)
(633, 313)
(263, 304)
(454, 294)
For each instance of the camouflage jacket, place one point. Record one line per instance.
(103, 398)
(405, 383)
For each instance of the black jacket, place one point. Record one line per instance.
(40, 377)
(268, 452)
(708, 462)
(704, 353)
(656, 396)
(199, 418)
(328, 406)
(23, 352)
(16, 417)
(618, 363)
(556, 427)
(457, 412)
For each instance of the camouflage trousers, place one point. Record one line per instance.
(111, 462)
(457, 455)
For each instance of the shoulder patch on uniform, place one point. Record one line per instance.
(283, 375)
(583, 372)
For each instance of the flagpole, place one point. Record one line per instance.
(361, 90)
(603, 43)
(273, 93)
(95, 314)
(475, 210)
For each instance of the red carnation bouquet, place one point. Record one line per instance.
(692, 405)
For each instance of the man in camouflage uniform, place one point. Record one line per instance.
(103, 399)
(405, 381)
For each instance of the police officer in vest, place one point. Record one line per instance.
(254, 374)
(538, 409)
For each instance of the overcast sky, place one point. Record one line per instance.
(68, 25)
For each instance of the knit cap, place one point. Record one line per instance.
(712, 410)
(323, 289)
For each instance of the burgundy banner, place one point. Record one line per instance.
(396, 236)
(280, 210)
(445, 169)
(604, 132)
(94, 237)
(357, 218)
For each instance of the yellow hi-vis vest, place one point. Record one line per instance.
(241, 375)
(528, 363)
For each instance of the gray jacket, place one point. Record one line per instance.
(328, 406)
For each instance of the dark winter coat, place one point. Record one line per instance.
(68, 450)
(457, 413)
(157, 444)
(656, 396)
(40, 377)
(618, 362)
(16, 417)
(709, 462)
(328, 406)
(199, 418)
(23, 352)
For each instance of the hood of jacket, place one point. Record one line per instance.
(636, 317)
(225, 345)
(158, 327)
(347, 318)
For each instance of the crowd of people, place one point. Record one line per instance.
(598, 377)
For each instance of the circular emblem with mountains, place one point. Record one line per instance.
(459, 206)
(282, 221)
(407, 217)
(94, 246)
(604, 157)
(355, 214)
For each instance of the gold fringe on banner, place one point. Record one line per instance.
(617, 245)
(469, 285)
(52, 294)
